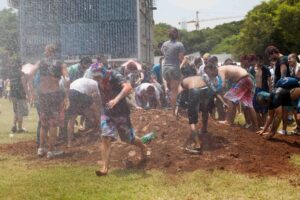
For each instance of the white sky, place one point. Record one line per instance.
(175, 11)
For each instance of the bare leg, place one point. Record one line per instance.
(174, 85)
(20, 123)
(71, 130)
(285, 114)
(105, 155)
(43, 136)
(138, 142)
(52, 138)
(253, 118)
(231, 114)
(195, 136)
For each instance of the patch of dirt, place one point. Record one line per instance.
(225, 148)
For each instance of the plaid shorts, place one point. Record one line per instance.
(112, 126)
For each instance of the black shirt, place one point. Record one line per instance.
(112, 89)
(282, 60)
(17, 89)
(266, 74)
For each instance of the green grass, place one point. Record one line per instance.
(6, 122)
(79, 182)
(23, 179)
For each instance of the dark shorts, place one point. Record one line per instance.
(170, 73)
(78, 102)
(197, 98)
(20, 107)
(51, 109)
(112, 126)
(258, 108)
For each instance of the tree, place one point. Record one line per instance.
(9, 39)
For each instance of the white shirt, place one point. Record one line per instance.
(143, 87)
(85, 86)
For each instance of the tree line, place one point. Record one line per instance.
(275, 22)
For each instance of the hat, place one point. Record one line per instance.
(98, 69)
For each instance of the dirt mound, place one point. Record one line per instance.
(225, 148)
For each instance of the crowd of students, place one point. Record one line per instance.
(104, 95)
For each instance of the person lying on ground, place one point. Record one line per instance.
(276, 101)
(115, 119)
(84, 99)
(147, 96)
(240, 91)
(197, 97)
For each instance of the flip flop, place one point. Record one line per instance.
(193, 151)
(99, 173)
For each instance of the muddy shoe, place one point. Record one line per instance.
(41, 152)
(193, 150)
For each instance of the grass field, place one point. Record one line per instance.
(23, 179)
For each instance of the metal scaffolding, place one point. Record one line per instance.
(81, 27)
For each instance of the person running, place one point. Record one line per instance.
(116, 116)
(173, 52)
(84, 99)
(276, 99)
(263, 82)
(240, 91)
(20, 95)
(51, 101)
(197, 92)
(147, 96)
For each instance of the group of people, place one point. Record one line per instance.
(104, 95)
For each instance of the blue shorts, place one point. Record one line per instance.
(258, 108)
(112, 126)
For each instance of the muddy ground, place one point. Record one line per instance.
(225, 148)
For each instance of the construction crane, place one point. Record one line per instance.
(197, 21)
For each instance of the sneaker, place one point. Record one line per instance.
(53, 154)
(41, 152)
(247, 126)
(282, 132)
(14, 129)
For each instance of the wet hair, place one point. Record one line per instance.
(150, 89)
(86, 60)
(270, 50)
(51, 47)
(198, 61)
(188, 71)
(209, 66)
(228, 61)
(213, 60)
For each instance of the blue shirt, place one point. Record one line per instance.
(156, 70)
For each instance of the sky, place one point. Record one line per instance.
(175, 11)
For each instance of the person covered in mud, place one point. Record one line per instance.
(52, 101)
(240, 91)
(197, 92)
(85, 99)
(116, 116)
(287, 93)
(147, 96)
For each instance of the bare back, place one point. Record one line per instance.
(193, 82)
(232, 72)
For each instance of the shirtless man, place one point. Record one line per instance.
(197, 93)
(241, 90)
(263, 82)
